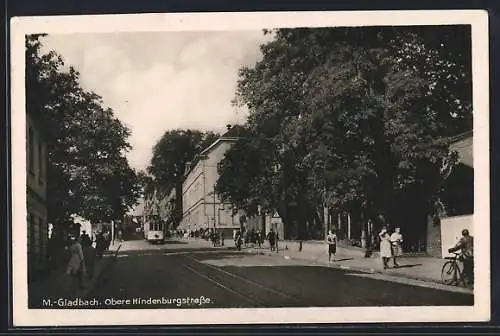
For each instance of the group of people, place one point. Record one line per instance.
(216, 237)
(82, 256)
(390, 246)
(253, 237)
(256, 238)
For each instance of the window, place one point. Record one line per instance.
(31, 151)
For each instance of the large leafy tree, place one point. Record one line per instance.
(88, 173)
(353, 117)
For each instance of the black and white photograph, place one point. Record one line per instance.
(205, 168)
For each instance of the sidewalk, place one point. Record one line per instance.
(57, 284)
(421, 268)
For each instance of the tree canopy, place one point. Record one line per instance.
(349, 117)
(88, 173)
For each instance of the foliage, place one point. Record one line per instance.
(174, 153)
(87, 173)
(353, 117)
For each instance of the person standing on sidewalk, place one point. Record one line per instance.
(271, 237)
(332, 245)
(76, 265)
(238, 240)
(276, 241)
(397, 250)
(89, 255)
(385, 247)
(85, 238)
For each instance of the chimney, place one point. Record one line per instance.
(229, 126)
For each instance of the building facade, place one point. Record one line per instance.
(36, 188)
(201, 207)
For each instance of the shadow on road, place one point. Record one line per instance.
(174, 242)
(160, 251)
(409, 266)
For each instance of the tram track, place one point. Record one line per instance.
(253, 292)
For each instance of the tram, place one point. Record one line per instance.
(154, 230)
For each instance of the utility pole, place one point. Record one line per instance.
(218, 214)
(215, 228)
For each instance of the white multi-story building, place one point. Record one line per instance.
(201, 207)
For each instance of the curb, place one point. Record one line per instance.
(363, 270)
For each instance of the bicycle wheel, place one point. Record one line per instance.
(449, 273)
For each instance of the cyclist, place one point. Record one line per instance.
(466, 245)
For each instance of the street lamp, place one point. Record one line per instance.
(221, 207)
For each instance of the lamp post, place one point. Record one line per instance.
(218, 213)
(215, 226)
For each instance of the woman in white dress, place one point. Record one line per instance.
(385, 247)
(76, 265)
(397, 250)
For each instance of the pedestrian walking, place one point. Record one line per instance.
(397, 250)
(238, 240)
(107, 240)
(332, 245)
(85, 238)
(276, 241)
(246, 236)
(271, 237)
(76, 265)
(89, 255)
(385, 247)
(100, 244)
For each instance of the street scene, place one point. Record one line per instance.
(297, 167)
(190, 273)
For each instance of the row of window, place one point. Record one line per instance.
(36, 156)
(155, 226)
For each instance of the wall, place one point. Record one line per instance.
(464, 147)
(36, 172)
(192, 189)
(451, 230)
(433, 247)
(37, 169)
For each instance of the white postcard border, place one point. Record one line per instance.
(250, 21)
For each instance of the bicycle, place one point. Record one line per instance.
(452, 273)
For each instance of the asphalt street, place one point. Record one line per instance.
(178, 275)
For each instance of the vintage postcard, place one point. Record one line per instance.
(219, 168)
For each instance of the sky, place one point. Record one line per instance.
(157, 81)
